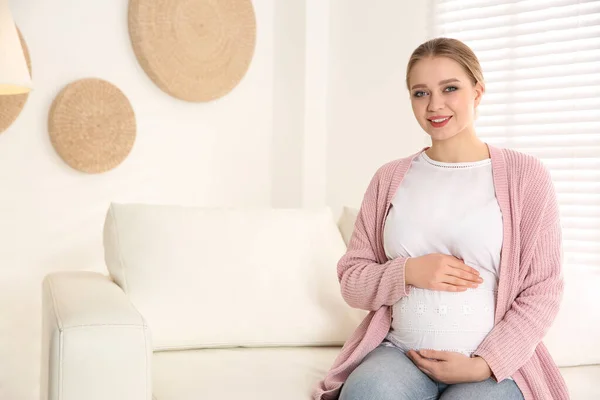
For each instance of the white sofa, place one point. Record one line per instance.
(229, 304)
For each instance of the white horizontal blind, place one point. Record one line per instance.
(541, 64)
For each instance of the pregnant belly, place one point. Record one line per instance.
(447, 321)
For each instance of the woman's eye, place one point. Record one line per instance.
(451, 88)
(419, 93)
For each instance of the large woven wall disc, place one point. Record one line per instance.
(194, 50)
(92, 125)
(12, 105)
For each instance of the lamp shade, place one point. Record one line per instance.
(14, 75)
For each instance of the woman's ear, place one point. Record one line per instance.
(479, 91)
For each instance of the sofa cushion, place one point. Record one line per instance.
(249, 374)
(230, 277)
(573, 338)
(581, 382)
(346, 223)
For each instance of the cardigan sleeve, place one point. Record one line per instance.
(365, 283)
(512, 341)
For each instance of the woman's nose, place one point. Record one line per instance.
(436, 102)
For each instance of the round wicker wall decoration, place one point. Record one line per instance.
(92, 125)
(194, 50)
(12, 105)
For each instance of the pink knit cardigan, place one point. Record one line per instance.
(530, 285)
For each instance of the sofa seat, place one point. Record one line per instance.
(582, 381)
(240, 373)
(277, 373)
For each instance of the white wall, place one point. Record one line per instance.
(321, 107)
(300, 103)
(51, 216)
(370, 117)
(288, 103)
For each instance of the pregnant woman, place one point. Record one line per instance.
(456, 253)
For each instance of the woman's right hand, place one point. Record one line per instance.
(440, 272)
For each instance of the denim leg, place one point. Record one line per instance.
(488, 390)
(388, 374)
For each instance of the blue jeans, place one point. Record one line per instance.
(388, 374)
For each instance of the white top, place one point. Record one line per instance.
(447, 208)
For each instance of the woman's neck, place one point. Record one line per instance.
(458, 149)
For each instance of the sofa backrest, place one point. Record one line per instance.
(206, 278)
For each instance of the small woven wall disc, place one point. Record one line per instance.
(194, 50)
(92, 125)
(12, 105)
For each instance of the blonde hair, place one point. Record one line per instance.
(450, 48)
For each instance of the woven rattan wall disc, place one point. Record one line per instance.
(12, 105)
(194, 50)
(92, 125)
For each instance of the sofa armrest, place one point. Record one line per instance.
(95, 344)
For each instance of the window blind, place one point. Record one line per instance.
(541, 64)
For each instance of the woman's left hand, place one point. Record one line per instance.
(450, 367)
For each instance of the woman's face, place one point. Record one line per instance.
(441, 90)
